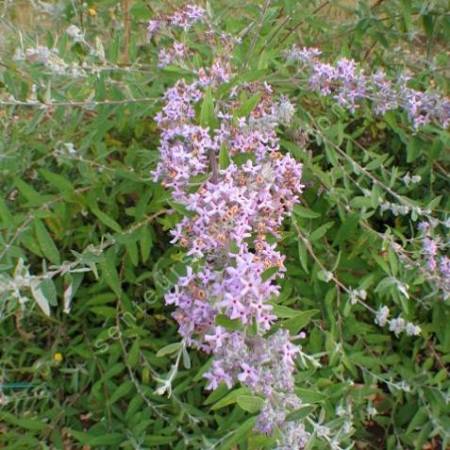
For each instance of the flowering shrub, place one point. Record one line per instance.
(231, 214)
(225, 226)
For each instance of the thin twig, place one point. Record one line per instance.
(318, 9)
(87, 103)
(214, 166)
(127, 29)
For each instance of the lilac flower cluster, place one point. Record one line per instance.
(437, 263)
(178, 52)
(183, 18)
(220, 70)
(349, 85)
(218, 73)
(235, 215)
(260, 363)
(49, 57)
(397, 325)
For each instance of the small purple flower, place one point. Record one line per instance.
(430, 250)
(187, 16)
(248, 376)
(216, 376)
(153, 27)
(444, 267)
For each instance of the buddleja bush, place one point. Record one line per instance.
(225, 226)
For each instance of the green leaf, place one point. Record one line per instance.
(203, 369)
(224, 157)
(239, 434)
(80, 436)
(261, 441)
(300, 413)
(284, 312)
(62, 184)
(123, 390)
(303, 255)
(217, 394)
(48, 289)
(270, 272)
(104, 311)
(158, 440)
(428, 24)
(105, 219)
(146, 242)
(5, 215)
(418, 420)
(361, 202)
(109, 272)
(248, 106)
(435, 151)
(30, 193)
(113, 439)
(168, 349)
(295, 324)
(226, 322)
(186, 359)
(331, 155)
(140, 12)
(305, 213)
(230, 398)
(374, 164)
(207, 116)
(310, 395)
(321, 231)
(347, 230)
(294, 149)
(46, 243)
(134, 353)
(26, 423)
(40, 298)
(415, 145)
(132, 251)
(113, 371)
(250, 403)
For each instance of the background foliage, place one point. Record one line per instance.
(76, 152)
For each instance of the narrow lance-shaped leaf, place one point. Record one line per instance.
(46, 243)
(207, 116)
(40, 298)
(109, 273)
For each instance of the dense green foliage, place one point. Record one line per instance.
(76, 151)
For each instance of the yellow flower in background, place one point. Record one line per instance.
(58, 357)
(92, 12)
